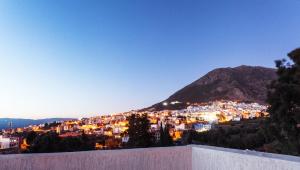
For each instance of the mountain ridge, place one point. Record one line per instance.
(242, 83)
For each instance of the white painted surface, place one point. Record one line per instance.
(172, 158)
(4, 142)
(193, 157)
(213, 158)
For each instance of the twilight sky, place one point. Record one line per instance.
(69, 58)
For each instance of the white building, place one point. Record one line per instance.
(125, 139)
(4, 142)
(180, 127)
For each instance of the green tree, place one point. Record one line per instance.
(30, 137)
(48, 142)
(161, 133)
(51, 142)
(88, 142)
(284, 98)
(138, 131)
(165, 138)
(71, 144)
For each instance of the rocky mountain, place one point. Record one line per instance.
(243, 83)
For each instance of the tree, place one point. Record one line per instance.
(138, 131)
(165, 138)
(284, 99)
(51, 142)
(89, 142)
(71, 144)
(161, 133)
(48, 142)
(30, 137)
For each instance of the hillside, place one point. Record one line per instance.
(243, 83)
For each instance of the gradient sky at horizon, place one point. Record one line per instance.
(70, 58)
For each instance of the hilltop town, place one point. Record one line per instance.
(200, 117)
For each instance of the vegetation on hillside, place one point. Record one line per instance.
(283, 127)
(280, 133)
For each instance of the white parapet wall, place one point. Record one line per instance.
(211, 158)
(171, 158)
(193, 157)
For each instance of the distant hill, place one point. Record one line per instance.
(243, 83)
(26, 122)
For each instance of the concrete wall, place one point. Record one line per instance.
(211, 158)
(177, 158)
(193, 157)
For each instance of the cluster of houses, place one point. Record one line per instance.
(199, 117)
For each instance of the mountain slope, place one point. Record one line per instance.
(243, 83)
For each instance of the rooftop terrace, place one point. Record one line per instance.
(192, 157)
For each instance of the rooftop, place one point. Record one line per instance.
(192, 157)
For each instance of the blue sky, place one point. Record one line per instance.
(70, 58)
